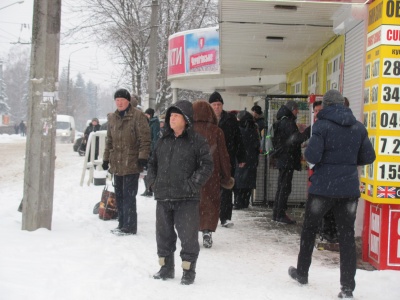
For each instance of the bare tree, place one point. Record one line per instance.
(125, 27)
(16, 76)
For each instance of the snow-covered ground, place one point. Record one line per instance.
(80, 259)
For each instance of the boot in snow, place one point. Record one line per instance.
(207, 239)
(189, 273)
(167, 268)
(300, 279)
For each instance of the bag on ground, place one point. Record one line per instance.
(108, 205)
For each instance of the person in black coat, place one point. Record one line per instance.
(246, 177)
(93, 127)
(339, 144)
(288, 157)
(237, 153)
(180, 165)
(259, 118)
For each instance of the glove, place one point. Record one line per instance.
(142, 162)
(105, 165)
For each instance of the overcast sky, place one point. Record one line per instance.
(16, 27)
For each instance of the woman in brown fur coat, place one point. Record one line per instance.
(206, 124)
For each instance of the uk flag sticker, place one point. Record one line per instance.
(386, 192)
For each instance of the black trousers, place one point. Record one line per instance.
(126, 188)
(283, 192)
(185, 217)
(242, 198)
(225, 211)
(344, 210)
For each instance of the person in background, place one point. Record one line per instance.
(339, 144)
(246, 177)
(154, 124)
(289, 141)
(206, 124)
(180, 165)
(126, 153)
(93, 127)
(22, 128)
(259, 118)
(237, 153)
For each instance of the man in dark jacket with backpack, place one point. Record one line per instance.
(288, 157)
(181, 163)
(339, 144)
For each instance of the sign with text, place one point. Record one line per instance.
(394, 238)
(194, 52)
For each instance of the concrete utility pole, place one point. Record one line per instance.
(40, 143)
(152, 82)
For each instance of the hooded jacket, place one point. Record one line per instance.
(339, 143)
(206, 124)
(289, 140)
(181, 165)
(128, 139)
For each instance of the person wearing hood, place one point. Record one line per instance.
(288, 157)
(339, 144)
(125, 155)
(179, 166)
(206, 124)
(246, 177)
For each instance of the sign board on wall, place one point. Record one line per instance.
(380, 181)
(194, 52)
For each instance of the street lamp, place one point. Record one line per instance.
(69, 68)
(19, 2)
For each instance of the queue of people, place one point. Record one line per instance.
(203, 155)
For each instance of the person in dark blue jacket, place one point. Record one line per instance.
(339, 143)
(179, 166)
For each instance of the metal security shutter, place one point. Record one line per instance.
(354, 60)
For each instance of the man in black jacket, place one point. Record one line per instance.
(237, 153)
(181, 163)
(288, 157)
(339, 144)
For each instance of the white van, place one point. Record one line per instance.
(65, 128)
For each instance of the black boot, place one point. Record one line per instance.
(189, 273)
(300, 279)
(167, 268)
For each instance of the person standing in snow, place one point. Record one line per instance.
(93, 127)
(179, 166)
(246, 177)
(127, 151)
(339, 144)
(237, 153)
(206, 124)
(289, 140)
(154, 124)
(259, 118)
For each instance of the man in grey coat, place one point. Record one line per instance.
(179, 166)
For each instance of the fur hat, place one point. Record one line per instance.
(122, 93)
(332, 97)
(215, 97)
(292, 105)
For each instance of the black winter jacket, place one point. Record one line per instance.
(179, 166)
(289, 140)
(233, 139)
(339, 144)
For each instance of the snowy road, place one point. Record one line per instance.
(80, 259)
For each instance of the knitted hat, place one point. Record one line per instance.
(95, 119)
(122, 93)
(292, 105)
(257, 109)
(215, 97)
(150, 112)
(174, 110)
(332, 97)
